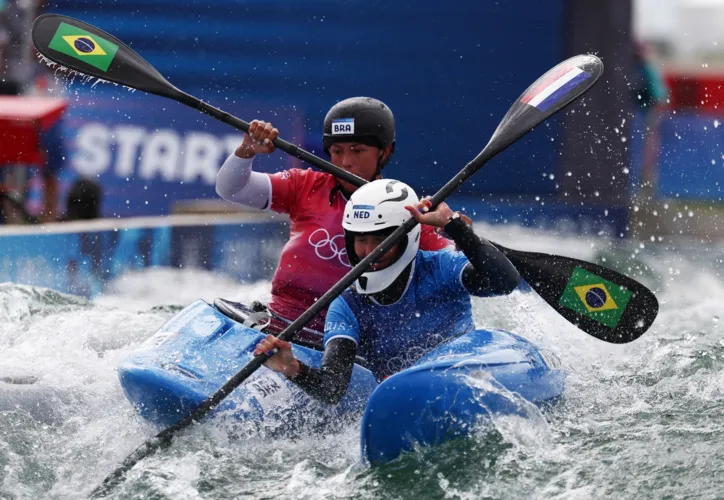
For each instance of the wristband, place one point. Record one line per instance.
(454, 217)
(455, 226)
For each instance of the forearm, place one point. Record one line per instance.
(490, 272)
(329, 382)
(237, 182)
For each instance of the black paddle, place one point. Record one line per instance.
(546, 96)
(74, 44)
(603, 303)
(86, 49)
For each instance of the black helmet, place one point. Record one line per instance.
(361, 119)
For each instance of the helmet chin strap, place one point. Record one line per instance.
(380, 165)
(392, 293)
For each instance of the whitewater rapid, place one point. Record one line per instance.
(639, 420)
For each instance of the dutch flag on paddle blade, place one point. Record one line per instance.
(554, 86)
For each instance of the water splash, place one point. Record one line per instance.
(70, 74)
(653, 406)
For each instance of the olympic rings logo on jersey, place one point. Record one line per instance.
(328, 248)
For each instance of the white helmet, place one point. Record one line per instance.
(379, 207)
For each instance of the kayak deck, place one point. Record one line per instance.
(444, 395)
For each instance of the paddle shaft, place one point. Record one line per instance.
(164, 438)
(546, 96)
(538, 270)
(315, 160)
(519, 120)
(135, 72)
(328, 297)
(311, 158)
(279, 143)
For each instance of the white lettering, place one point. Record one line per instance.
(342, 129)
(269, 390)
(131, 150)
(202, 153)
(94, 155)
(128, 139)
(331, 326)
(160, 155)
(343, 126)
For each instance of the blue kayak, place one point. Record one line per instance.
(199, 349)
(441, 397)
(447, 392)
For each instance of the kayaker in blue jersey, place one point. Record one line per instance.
(407, 303)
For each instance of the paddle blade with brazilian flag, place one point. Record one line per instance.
(596, 298)
(84, 48)
(604, 303)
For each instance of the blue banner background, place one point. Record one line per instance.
(449, 73)
(149, 152)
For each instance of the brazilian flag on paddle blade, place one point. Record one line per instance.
(595, 297)
(81, 45)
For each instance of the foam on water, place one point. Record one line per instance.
(639, 420)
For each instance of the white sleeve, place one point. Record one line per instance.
(238, 183)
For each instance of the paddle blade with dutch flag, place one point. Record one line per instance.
(557, 88)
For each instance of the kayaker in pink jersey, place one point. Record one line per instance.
(359, 136)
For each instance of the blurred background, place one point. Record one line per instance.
(109, 194)
(638, 157)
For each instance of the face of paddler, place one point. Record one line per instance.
(364, 244)
(356, 158)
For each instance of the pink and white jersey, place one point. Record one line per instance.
(315, 257)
